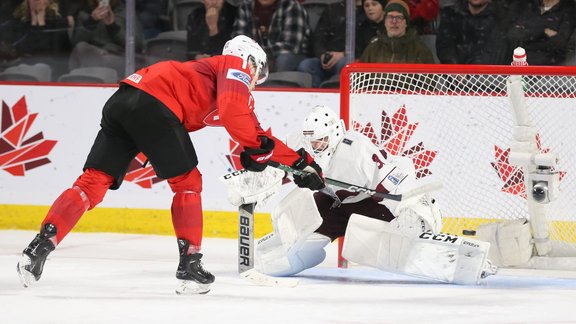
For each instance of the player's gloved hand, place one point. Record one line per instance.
(256, 159)
(314, 179)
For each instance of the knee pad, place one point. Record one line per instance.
(93, 185)
(189, 181)
(275, 260)
(310, 254)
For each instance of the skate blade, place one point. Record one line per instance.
(26, 277)
(189, 287)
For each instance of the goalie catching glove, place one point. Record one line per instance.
(256, 159)
(417, 215)
(313, 178)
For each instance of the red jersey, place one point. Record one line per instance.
(210, 92)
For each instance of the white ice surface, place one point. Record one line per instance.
(115, 278)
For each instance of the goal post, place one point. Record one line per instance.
(499, 138)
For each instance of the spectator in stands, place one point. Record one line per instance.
(7, 52)
(372, 25)
(328, 43)
(68, 10)
(543, 29)
(399, 43)
(472, 32)
(39, 35)
(423, 14)
(149, 14)
(100, 36)
(209, 28)
(7, 8)
(280, 27)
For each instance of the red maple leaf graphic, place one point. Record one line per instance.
(142, 175)
(234, 156)
(395, 133)
(19, 153)
(512, 175)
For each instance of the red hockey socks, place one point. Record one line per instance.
(187, 218)
(66, 211)
(88, 191)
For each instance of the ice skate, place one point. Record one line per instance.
(488, 270)
(193, 279)
(33, 257)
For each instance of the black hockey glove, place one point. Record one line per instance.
(256, 159)
(313, 180)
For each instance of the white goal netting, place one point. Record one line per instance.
(456, 123)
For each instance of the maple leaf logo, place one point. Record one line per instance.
(395, 133)
(19, 153)
(234, 156)
(512, 175)
(141, 173)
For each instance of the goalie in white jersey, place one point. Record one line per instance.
(401, 237)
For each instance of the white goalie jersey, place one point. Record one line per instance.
(356, 160)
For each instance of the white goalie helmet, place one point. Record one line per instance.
(322, 131)
(251, 53)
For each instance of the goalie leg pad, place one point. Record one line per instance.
(441, 257)
(511, 242)
(292, 247)
(296, 217)
(274, 260)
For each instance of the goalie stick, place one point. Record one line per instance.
(378, 194)
(246, 252)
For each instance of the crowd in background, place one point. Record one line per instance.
(308, 36)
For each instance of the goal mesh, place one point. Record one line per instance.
(456, 123)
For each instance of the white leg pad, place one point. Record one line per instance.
(511, 242)
(293, 246)
(274, 260)
(442, 257)
(296, 217)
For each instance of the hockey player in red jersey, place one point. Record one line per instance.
(152, 112)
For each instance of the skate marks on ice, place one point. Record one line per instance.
(102, 257)
(95, 278)
(510, 278)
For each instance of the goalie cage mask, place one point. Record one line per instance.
(322, 131)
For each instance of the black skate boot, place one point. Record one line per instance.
(33, 257)
(193, 278)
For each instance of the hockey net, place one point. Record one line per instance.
(456, 123)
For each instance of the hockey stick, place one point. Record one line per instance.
(246, 252)
(348, 186)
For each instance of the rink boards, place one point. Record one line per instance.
(68, 117)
